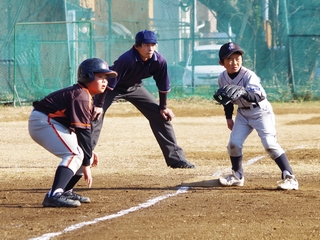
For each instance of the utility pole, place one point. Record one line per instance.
(193, 28)
(110, 37)
(290, 67)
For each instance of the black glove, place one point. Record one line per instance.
(229, 93)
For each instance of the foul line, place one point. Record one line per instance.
(147, 204)
(118, 214)
(250, 161)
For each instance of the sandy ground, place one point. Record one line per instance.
(185, 203)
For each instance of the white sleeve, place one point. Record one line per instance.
(254, 85)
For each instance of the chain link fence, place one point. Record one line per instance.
(43, 42)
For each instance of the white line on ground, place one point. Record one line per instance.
(147, 204)
(250, 161)
(118, 214)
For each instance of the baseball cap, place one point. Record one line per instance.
(146, 36)
(229, 48)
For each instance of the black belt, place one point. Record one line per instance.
(254, 106)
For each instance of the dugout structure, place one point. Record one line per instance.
(43, 42)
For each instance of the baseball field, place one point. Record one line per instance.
(136, 196)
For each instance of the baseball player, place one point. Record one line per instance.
(140, 62)
(254, 112)
(61, 123)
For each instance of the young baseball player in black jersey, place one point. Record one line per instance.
(254, 112)
(61, 123)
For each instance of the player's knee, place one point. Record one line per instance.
(272, 147)
(80, 170)
(77, 159)
(274, 153)
(234, 148)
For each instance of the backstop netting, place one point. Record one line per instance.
(43, 42)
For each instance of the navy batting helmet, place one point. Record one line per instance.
(90, 66)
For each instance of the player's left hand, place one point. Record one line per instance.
(229, 93)
(97, 112)
(167, 114)
(87, 175)
(95, 160)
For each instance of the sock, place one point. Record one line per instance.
(237, 166)
(59, 191)
(73, 181)
(283, 164)
(285, 173)
(61, 178)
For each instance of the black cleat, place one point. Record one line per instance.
(183, 164)
(59, 201)
(70, 194)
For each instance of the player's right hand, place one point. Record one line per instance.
(87, 175)
(167, 114)
(230, 124)
(97, 112)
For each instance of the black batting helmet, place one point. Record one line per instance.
(90, 66)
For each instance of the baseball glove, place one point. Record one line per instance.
(229, 93)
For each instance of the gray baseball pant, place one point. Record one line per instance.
(146, 103)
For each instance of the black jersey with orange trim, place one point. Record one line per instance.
(71, 106)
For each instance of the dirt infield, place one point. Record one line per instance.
(136, 196)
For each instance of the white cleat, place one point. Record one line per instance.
(288, 183)
(231, 180)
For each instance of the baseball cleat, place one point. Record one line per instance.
(231, 180)
(183, 164)
(59, 200)
(288, 183)
(70, 194)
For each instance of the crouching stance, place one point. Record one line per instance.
(61, 123)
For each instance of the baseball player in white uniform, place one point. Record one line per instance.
(254, 112)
